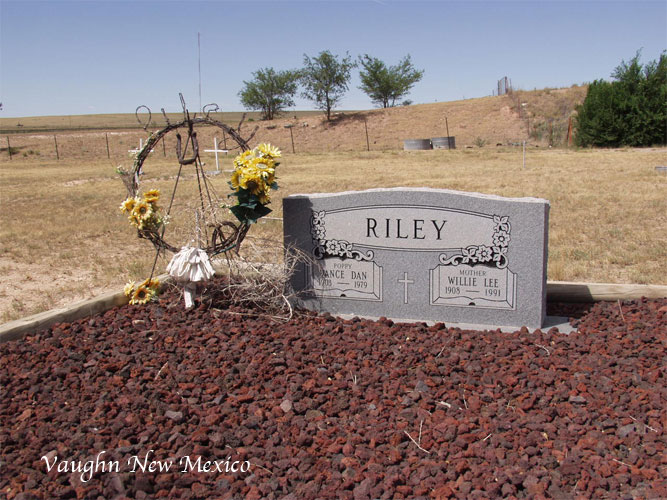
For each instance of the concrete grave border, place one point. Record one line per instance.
(557, 291)
(19, 328)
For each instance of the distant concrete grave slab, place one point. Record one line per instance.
(417, 144)
(421, 254)
(443, 142)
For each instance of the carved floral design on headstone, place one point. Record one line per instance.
(332, 248)
(483, 254)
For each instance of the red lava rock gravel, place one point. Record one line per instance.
(325, 408)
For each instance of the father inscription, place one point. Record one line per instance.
(421, 254)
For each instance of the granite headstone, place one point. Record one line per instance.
(421, 254)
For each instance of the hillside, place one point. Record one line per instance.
(539, 117)
(482, 121)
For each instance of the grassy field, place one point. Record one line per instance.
(62, 236)
(118, 121)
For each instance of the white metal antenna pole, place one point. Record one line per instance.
(199, 67)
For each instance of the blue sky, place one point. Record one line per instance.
(63, 57)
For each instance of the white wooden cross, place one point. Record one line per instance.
(141, 146)
(136, 151)
(216, 151)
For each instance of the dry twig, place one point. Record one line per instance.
(418, 444)
(622, 463)
(645, 425)
(160, 370)
(256, 285)
(543, 347)
(264, 468)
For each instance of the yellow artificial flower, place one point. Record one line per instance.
(252, 186)
(128, 205)
(152, 283)
(152, 195)
(264, 197)
(141, 295)
(255, 171)
(267, 172)
(251, 177)
(266, 163)
(136, 221)
(268, 150)
(235, 179)
(142, 210)
(129, 288)
(241, 159)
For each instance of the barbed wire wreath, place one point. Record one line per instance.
(251, 181)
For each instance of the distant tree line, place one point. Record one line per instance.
(631, 110)
(324, 79)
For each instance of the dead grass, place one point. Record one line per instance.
(32, 124)
(63, 238)
(608, 208)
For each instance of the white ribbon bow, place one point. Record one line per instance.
(189, 267)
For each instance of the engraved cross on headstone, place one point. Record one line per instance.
(405, 282)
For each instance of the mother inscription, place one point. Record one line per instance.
(421, 254)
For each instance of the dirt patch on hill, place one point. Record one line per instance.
(486, 121)
(490, 120)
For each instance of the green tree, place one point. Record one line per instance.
(599, 122)
(386, 85)
(270, 91)
(325, 79)
(629, 111)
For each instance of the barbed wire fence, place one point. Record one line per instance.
(120, 146)
(351, 133)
